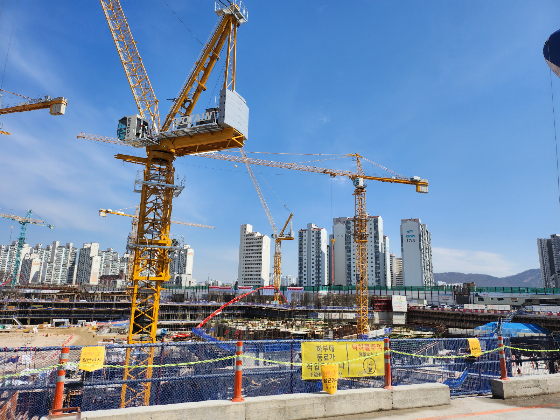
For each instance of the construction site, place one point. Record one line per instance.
(69, 348)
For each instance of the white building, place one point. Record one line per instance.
(89, 264)
(396, 271)
(33, 263)
(181, 267)
(254, 258)
(312, 256)
(416, 252)
(378, 262)
(549, 260)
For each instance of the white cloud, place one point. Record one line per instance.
(475, 262)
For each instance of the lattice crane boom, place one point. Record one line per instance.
(278, 238)
(105, 212)
(421, 184)
(226, 30)
(56, 106)
(132, 63)
(259, 192)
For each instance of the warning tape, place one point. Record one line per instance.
(459, 356)
(312, 363)
(542, 351)
(32, 371)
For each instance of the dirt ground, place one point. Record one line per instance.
(74, 336)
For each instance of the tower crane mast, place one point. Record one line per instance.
(23, 221)
(278, 237)
(181, 134)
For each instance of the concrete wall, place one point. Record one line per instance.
(525, 386)
(289, 406)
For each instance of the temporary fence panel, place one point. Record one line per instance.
(204, 370)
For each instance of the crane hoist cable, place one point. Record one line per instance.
(180, 20)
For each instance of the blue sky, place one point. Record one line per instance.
(455, 92)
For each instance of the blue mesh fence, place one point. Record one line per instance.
(446, 361)
(197, 371)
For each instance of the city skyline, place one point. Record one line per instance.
(468, 93)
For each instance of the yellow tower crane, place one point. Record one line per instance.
(57, 106)
(360, 218)
(182, 133)
(278, 237)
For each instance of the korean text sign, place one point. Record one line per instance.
(92, 358)
(366, 358)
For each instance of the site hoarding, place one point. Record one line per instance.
(354, 358)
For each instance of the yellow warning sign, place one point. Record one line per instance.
(366, 358)
(474, 345)
(92, 358)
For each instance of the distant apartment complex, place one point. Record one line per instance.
(344, 253)
(56, 264)
(312, 256)
(549, 260)
(254, 258)
(416, 253)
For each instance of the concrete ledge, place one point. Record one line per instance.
(423, 395)
(525, 386)
(211, 410)
(289, 406)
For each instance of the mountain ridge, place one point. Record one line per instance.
(528, 278)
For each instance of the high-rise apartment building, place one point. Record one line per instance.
(89, 264)
(312, 256)
(416, 253)
(396, 271)
(254, 258)
(33, 263)
(377, 247)
(181, 266)
(61, 266)
(549, 260)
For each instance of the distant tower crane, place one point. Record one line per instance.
(182, 133)
(23, 221)
(57, 106)
(360, 218)
(278, 237)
